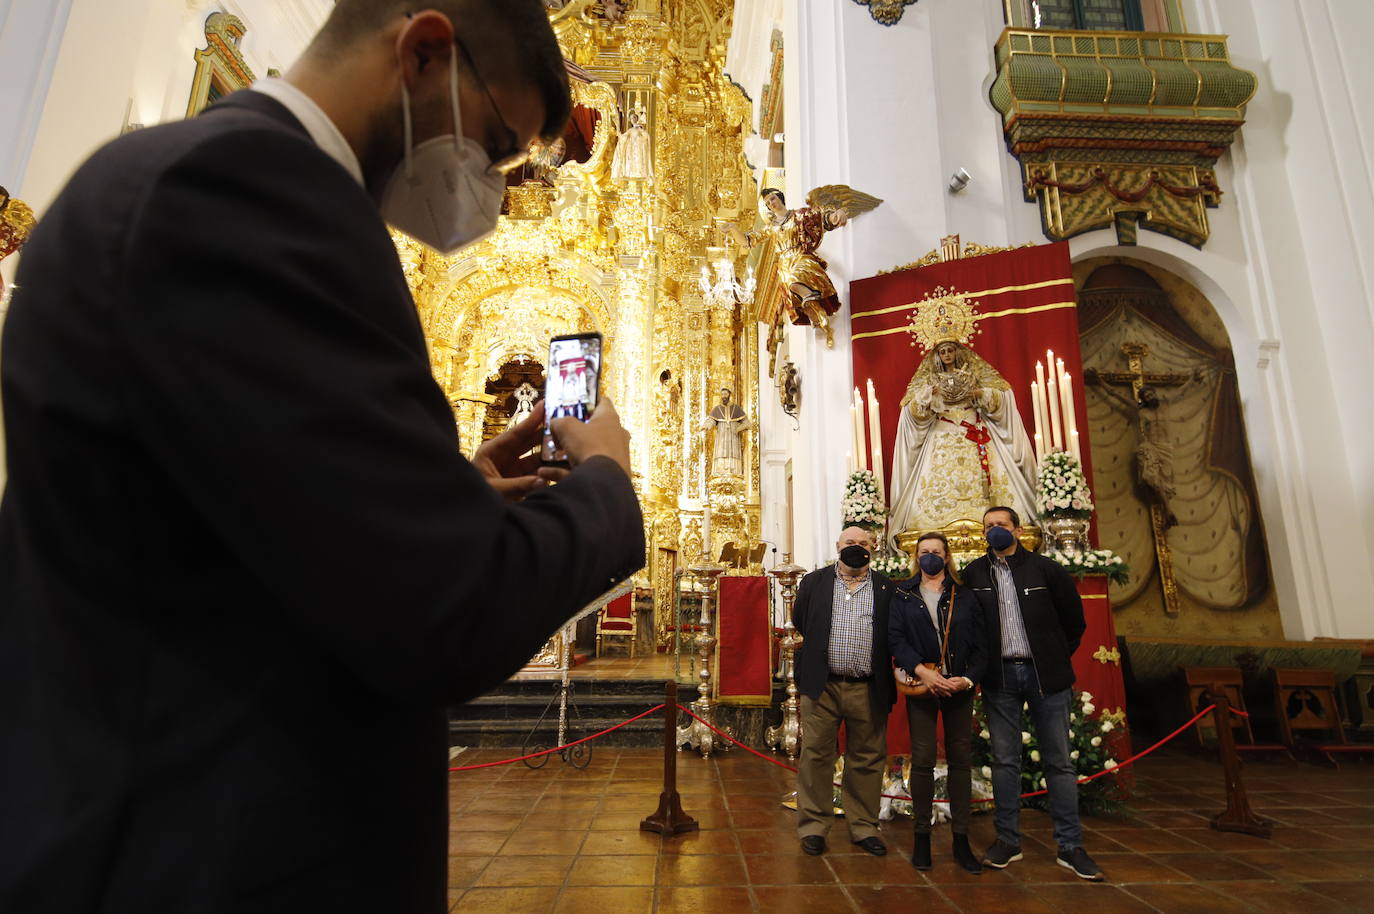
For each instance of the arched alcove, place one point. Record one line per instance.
(1173, 481)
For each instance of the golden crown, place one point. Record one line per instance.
(943, 315)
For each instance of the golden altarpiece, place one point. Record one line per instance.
(584, 248)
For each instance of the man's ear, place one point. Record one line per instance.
(427, 39)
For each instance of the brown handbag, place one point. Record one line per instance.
(919, 689)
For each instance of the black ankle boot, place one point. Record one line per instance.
(962, 854)
(920, 854)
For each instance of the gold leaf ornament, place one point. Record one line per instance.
(943, 315)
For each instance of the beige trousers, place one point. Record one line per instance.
(865, 757)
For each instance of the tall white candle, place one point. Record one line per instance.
(875, 440)
(1056, 441)
(1071, 413)
(1035, 409)
(1043, 405)
(1066, 405)
(1073, 445)
(860, 439)
(855, 454)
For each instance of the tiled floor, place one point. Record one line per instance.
(558, 839)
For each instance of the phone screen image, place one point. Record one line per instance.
(571, 384)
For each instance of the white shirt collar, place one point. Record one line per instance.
(316, 123)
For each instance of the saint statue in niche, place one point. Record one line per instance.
(961, 445)
(633, 157)
(796, 235)
(730, 423)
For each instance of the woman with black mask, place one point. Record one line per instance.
(936, 634)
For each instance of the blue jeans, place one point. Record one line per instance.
(1050, 714)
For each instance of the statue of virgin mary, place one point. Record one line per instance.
(961, 445)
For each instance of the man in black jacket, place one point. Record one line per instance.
(1033, 621)
(844, 672)
(243, 565)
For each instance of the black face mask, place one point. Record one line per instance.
(932, 564)
(854, 556)
(999, 537)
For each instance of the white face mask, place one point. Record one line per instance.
(442, 195)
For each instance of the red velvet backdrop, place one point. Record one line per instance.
(1100, 674)
(744, 671)
(1027, 301)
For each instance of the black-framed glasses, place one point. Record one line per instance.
(515, 155)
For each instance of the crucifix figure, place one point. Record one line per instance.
(1154, 458)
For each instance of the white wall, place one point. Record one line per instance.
(73, 69)
(137, 57)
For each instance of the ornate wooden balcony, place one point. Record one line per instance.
(1120, 128)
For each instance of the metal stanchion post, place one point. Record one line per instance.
(1238, 815)
(669, 818)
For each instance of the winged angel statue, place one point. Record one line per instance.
(807, 296)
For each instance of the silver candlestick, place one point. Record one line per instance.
(786, 737)
(697, 733)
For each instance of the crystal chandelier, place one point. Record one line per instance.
(724, 289)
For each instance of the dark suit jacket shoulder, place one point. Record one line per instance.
(243, 565)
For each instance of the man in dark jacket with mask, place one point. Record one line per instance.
(1033, 619)
(844, 672)
(243, 563)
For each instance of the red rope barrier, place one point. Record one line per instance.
(577, 742)
(727, 736)
(1083, 780)
(780, 764)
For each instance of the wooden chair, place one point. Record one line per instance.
(1228, 681)
(1305, 700)
(616, 619)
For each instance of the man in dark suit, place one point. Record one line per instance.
(844, 672)
(243, 565)
(1033, 621)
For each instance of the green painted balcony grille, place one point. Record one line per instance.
(1119, 73)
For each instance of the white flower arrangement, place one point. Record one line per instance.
(1063, 487)
(860, 506)
(896, 566)
(1079, 562)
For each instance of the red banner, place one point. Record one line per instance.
(1021, 303)
(744, 671)
(1097, 663)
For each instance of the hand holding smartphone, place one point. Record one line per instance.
(572, 387)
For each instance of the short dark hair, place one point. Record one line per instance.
(1015, 518)
(537, 57)
(773, 191)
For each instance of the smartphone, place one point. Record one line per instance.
(572, 385)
